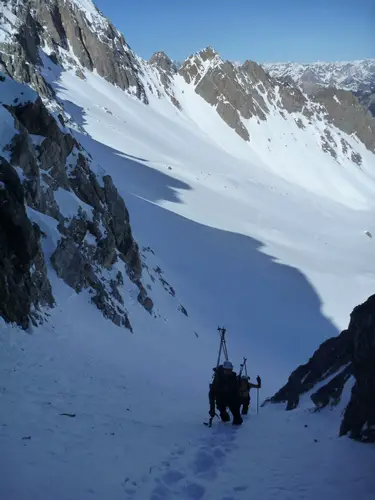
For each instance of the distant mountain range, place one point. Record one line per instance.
(355, 76)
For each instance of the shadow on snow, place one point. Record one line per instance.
(270, 308)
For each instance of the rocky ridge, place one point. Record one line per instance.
(242, 92)
(96, 250)
(166, 70)
(82, 39)
(72, 37)
(58, 178)
(339, 360)
(24, 286)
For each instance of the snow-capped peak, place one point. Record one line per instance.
(89, 9)
(237, 64)
(196, 66)
(348, 75)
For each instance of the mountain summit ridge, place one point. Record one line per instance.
(76, 35)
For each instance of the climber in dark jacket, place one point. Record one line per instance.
(224, 392)
(244, 391)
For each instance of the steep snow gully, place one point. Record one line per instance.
(266, 237)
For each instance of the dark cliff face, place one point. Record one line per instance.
(19, 55)
(359, 417)
(231, 90)
(345, 111)
(24, 286)
(50, 161)
(61, 25)
(328, 360)
(351, 354)
(367, 98)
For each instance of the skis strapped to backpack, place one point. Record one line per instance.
(243, 368)
(222, 351)
(223, 346)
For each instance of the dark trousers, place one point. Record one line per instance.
(234, 408)
(245, 403)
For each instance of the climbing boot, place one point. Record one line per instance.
(224, 416)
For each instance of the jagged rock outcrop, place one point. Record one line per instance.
(359, 417)
(19, 53)
(240, 93)
(78, 36)
(343, 109)
(351, 354)
(233, 92)
(167, 70)
(330, 393)
(75, 37)
(58, 180)
(163, 62)
(331, 357)
(367, 98)
(24, 286)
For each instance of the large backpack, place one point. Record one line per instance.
(243, 388)
(223, 385)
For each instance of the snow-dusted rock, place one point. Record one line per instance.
(347, 75)
(24, 286)
(76, 33)
(58, 181)
(324, 376)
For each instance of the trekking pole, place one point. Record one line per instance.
(258, 401)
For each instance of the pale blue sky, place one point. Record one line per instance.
(264, 31)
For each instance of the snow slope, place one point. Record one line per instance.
(217, 180)
(269, 243)
(136, 437)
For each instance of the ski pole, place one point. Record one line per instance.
(258, 401)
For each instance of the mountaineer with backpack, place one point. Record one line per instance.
(224, 393)
(244, 386)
